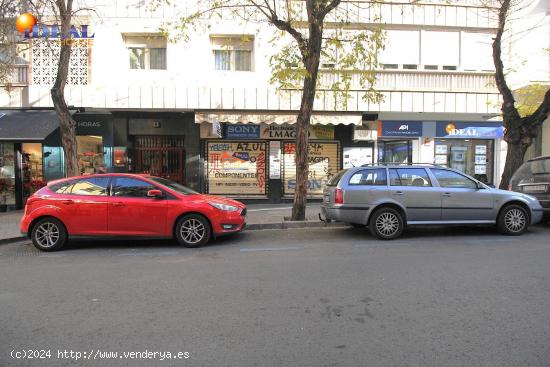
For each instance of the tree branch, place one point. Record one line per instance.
(330, 7)
(509, 109)
(543, 111)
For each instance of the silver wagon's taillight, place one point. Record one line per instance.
(339, 196)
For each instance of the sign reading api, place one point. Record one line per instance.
(27, 24)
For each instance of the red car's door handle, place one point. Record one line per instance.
(67, 202)
(118, 203)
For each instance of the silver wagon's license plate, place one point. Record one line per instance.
(327, 199)
(534, 188)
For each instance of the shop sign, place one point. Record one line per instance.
(242, 131)
(324, 163)
(320, 132)
(400, 129)
(236, 168)
(473, 130)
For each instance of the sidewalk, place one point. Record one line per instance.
(260, 216)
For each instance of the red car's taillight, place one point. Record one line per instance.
(339, 196)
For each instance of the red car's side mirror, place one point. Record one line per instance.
(157, 194)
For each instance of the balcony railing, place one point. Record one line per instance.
(171, 98)
(406, 80)
(352, 11)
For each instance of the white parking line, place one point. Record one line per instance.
(269, 249)
(162, 253)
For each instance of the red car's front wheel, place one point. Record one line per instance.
(49, 234)
(193, 230)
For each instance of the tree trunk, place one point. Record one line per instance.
(67, 125)
(311, 58)
(514, 159)
(302, 154)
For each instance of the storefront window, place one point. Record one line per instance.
(324, 163)
(90, 154)
(395, 151)
(7, 176)
(473, 157)
(53, 163)
(236, 168)
(31, 169)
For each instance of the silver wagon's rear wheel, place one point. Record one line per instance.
(386, 224)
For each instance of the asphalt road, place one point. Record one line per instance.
(315, 297)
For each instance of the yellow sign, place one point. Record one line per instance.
(324, 162)
(236, 168)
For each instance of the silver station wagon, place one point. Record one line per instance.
(386, 199)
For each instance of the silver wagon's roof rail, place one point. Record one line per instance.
(401, 164)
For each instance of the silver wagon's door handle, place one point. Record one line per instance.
(447, 195)
(398, 193)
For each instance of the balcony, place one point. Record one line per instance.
(189, 98)
(353, 11)
(19, 75)
(412, 80)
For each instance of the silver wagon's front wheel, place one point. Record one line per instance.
(513, 220)
(386, 224)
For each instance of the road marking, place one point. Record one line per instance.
(269, 249)
(162, 253)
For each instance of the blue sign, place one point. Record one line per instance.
(242, 131)
(400, 129)
(469, 130)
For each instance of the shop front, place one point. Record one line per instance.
(23, 141)
(397, 140)
(468, 147)
(257, 160)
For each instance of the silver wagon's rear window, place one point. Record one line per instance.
(336, 178)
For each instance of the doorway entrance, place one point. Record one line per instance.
(162, 156)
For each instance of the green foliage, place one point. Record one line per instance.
(349, 54)
(529, 98)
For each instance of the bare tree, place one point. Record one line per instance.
(67, 125)
(520, 131)
(297, 64)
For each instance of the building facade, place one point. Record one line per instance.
(204, 113)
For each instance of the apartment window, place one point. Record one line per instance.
(390, 66)
(449, 67)
(431, 67)
(232, 52)
(146, 51)
(410, 66)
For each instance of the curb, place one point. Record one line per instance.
(249, 227)
(11, 240)
(294, 225)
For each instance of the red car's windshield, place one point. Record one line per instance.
(173, 185)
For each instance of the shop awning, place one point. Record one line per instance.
(279, 119)
(28, 125)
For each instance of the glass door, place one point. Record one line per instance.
(7, 177)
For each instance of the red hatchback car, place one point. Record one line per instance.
(112, 205)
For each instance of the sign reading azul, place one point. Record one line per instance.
(487, 130)
(400, 129)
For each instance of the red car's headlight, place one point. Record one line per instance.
(224, 207)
